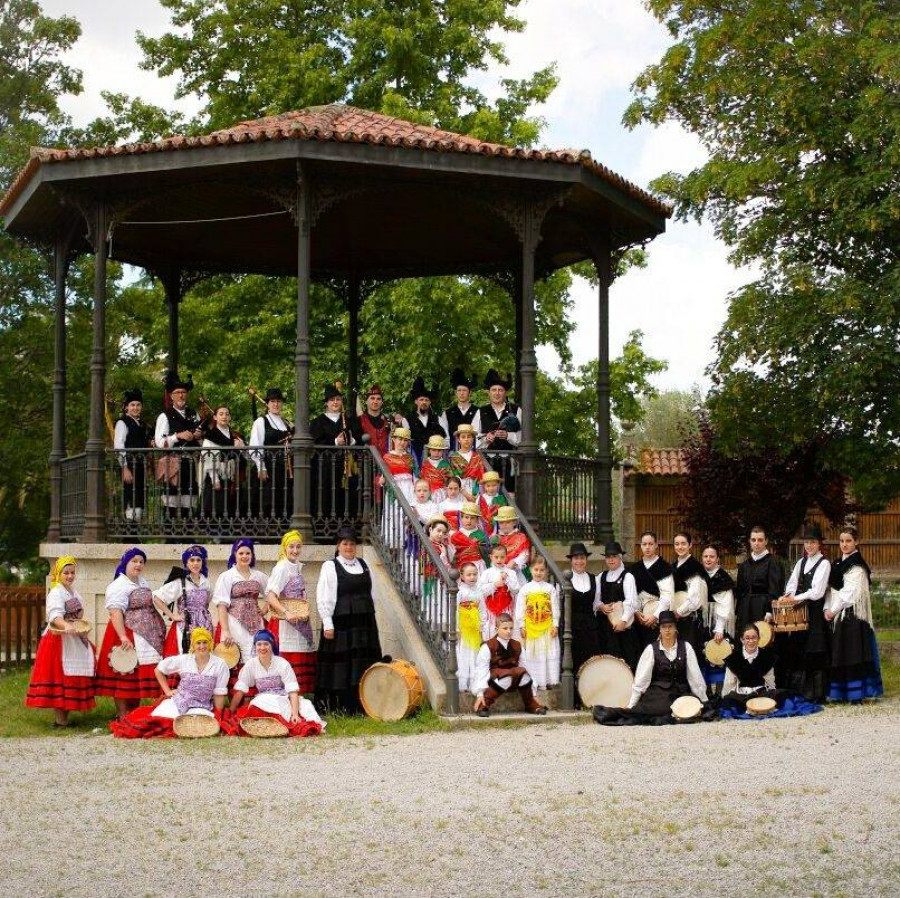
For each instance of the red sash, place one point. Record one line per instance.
(499, 601)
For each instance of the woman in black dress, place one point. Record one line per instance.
(350, 644)
(585, 624)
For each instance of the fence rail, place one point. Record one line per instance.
(73, 496)
(21, 619)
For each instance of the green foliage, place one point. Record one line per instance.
(668, 419)
(798, 107)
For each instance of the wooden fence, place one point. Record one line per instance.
(657, 497)
(22, 612)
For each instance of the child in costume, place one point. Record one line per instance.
(293, 631)
(518, 545)
(537, 622)
(437, 530)
(499, 669)
(424, 505)
(401, 466)
(466, 463)
(452, 505)
(471, 615)
(504, 583)
(64, 668)
(490, 501)
(435, 468)
(470, 542)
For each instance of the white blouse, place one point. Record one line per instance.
(819, 583)
(630, 604)
(120, 589)
(326, 589)
(281, 574)
(77, 658)
(731, 681)
(170, 592)
(644, 673)
(227, 579)
(697, 595)
(854, 594)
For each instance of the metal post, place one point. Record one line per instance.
(451, 682)
(58, 449)
(353, 302)
(567, 679)
(302, 443)
(517, 301)
(603, 496)
(525, 490)
(174, 294)
(95, 500)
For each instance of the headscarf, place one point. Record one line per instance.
(266, 636)
(195, 552)
(129, 554)
(239, 544)
(200, 633)
(292, 536)
(58, 569)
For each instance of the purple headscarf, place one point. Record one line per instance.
(131, 553)
(195, 552)
(265, 636)
(239, 544)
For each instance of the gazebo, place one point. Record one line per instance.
(331, 193)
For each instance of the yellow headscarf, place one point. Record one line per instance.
(201, 633)
(58, 569)
(292, 536)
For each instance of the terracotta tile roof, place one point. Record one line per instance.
(343, 124)
(662, 462)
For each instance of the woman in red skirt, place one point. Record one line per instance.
(134, 622)
(63, 674)
(295, 638)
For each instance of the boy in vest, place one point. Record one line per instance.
(498, 669)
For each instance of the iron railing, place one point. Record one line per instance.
(223, 493)
(566, 491)
(426, 585)
(73, 496)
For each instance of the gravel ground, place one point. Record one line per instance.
(804, 806)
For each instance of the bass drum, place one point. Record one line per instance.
(605, 680)
(391, 691)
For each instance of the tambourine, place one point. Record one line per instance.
(230, 654)
(123, 660)
(765, 632)
(761, 705)
(298, 607)
(651, 609)
(687, 707)
(717, 652)
(617, 614)
(82, 628)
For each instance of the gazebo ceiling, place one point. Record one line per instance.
(388, 197)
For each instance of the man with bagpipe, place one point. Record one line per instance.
(177, 427)
(499, 425)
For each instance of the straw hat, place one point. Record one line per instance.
(490, 477)
(263, 727)
(507, 513)
(437, 519)
(469, 508)
(435, 441)
(230, 654)
(687, 707)
(402, 433)
(464, 428)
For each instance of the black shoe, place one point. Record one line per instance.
(483, 712)
(539, 710)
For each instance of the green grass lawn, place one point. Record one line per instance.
(17, 720)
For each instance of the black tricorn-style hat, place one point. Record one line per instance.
(332, 392)
(174, 382)
(613, 548)
(667, 617)
(458, 379)
(346, 533)
(578, 549)
(133, 395)
(813, 531)
(419, 389)
(274, 393)
(493, 379)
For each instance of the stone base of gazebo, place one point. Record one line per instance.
(399, 636)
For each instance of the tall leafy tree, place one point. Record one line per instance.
(797, 103)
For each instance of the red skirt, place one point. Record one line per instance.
(140, 724)
(303, 663)
(172, 646)
(132, 687)
(49, 687)
(231, 723)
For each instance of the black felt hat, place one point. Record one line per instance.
(332, 392)
(274, 393)
(578, 549)
(813, 531)
(667, 617)
(419, 389)
(174, 382)
(133, 395)
(613, 548)
(346, 533)
(493, 379)
(458, 379)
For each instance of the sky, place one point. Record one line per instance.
(599, 46)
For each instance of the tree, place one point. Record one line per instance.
(798, 107)
(668, 419)
(724, 495)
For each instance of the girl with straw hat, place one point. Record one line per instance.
(202, 690)
(470, 542)
(436, 468)
(291, 626)
(63, 673)
(466, 463)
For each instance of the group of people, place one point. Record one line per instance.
(176, 633)
(257, 482)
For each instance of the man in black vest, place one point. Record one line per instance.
(463, 412)
(499, 424)
(423, 422)
(334, 472)
(178, 427)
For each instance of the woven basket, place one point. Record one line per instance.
(300, 607)
(82, 628)
(195, 726)
(263, 727)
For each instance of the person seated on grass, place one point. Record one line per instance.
(499, 670)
